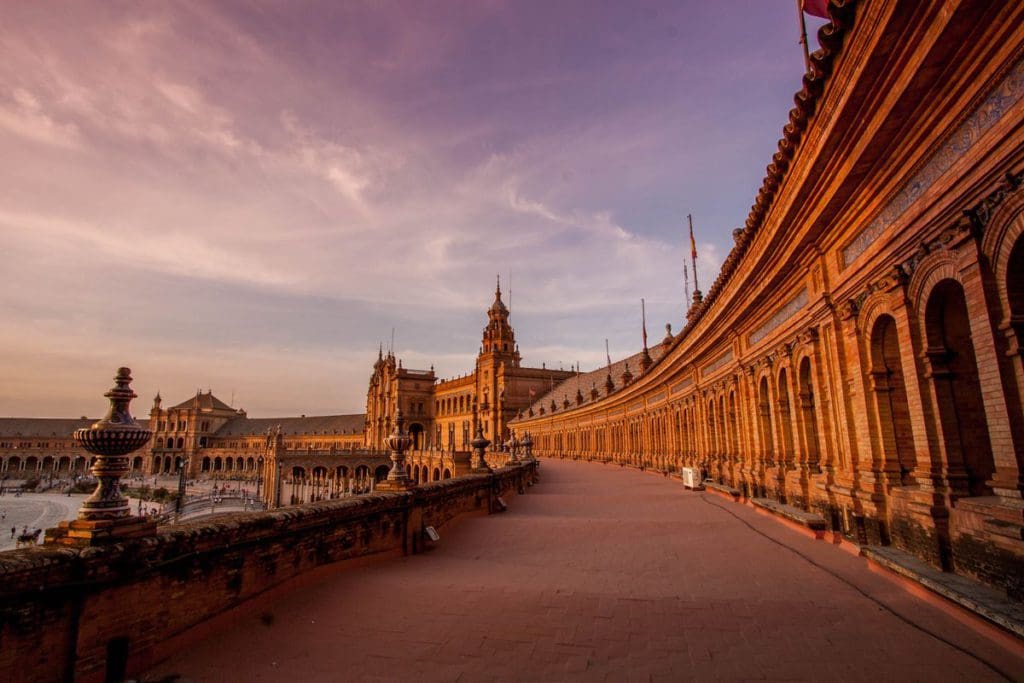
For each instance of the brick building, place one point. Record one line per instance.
(860, 352)
(439, 414)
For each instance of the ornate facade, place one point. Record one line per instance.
(860, 353)
(440, 414)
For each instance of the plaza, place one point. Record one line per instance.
(601, 573)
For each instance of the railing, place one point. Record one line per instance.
(194, 507)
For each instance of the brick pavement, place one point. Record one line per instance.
(601, 574)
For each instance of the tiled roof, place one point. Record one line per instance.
(47, 427)
(290, 426)
(566, 390)
(203, 401)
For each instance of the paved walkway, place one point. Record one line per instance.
(601, 573)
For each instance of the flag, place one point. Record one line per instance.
(693, 244)
(816, 8)
(533, 392)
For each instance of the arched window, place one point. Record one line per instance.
(892, 413)
(954, 373)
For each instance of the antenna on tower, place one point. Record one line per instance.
(510, 293)
(607, 354)
(392, 349)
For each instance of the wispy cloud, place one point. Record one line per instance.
(246, 173)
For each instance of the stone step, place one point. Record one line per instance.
(811, 520)
(723, 488)
(988, 603)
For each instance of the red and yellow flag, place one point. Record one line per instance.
(816, 8)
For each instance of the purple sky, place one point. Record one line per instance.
(249, 196)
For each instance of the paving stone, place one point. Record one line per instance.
(604, 574)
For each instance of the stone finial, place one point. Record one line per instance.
(105, 516)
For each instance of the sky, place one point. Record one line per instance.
(249, 197)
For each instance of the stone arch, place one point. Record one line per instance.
(381, 473)
(217, 464)
(933, 268)
(436, 475)
(953, 371)
(764, 418)
(892, 410)
(808, 414)
(1003, 236)
(785, 414)
(181, 442)
(416, 435)
(205, 467)
(13, 463)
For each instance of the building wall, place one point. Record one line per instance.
(860, 353)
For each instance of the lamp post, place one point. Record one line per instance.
(105, 516)
(277, 492)
(259, 477)
(181, 488)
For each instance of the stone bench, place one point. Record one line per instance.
(807, 522)
(988, 603)
(724, 489)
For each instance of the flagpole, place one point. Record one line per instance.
(803, 35)
(643, 320)
(693, 255)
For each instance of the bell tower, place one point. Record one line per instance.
(499, 339)
(498, 352)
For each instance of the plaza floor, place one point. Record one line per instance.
(35, 511)
(601, 573)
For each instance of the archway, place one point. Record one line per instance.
(416, 435)
(954, 373)
(764, 421)
(447, 473)
(808, 417)
(437, 475)
(381, 473)
(891, 407)
(785, 420)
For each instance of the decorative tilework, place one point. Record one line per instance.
(1006, 94)
(717, 363)
(680, 386)
(781, 316)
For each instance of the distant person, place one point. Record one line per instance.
(13, 530)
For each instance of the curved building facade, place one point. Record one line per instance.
(860, 353)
